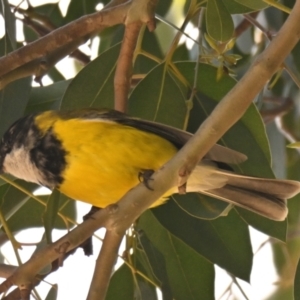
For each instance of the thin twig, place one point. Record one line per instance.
(238, 286)
(124, 66)
(200, 39)
(280, 110)
(245, 24)
(104, 265)
(270, 36)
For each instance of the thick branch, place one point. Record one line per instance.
(63, 35)
(6, 270)
(82, 27)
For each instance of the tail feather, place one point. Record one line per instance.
(280, 188)
(266, 197)
(260, 203)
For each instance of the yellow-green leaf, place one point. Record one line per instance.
(253, 4)
(218, 21)
(294, 145)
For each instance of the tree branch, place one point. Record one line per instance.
(124, 66)
(103, 269)
(84, 26)
(245, 24)
(26, 273)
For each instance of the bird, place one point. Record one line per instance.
(97, 155)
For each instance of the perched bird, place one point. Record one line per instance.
(97, 155)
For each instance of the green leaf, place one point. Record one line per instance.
(189, 274)
(297, 283)
(55, 75)
(23, 212)
(219, 23)
(121, 285)
(296, 56)
(181, 53)
(253, 4)
(52, 294)
(145, 290)
(150, 44)
(109, 37)
(154, 264)
(249, 127)
(46, 97)
(13, 101)
(50, 214)
(51, 12)
(216, 240)
(142, 258)
(19, 209)
(10, 25)
(163, 7)
(294, 145)
(79, 8)
(154, 96)
(272, 228)
(201, 206)
(93, 85)
(48, 12)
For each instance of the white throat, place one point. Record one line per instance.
(18, 163)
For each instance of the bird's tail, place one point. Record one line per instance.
(266, 197)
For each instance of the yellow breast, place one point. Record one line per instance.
(104, 158)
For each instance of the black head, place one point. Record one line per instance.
(15, 136)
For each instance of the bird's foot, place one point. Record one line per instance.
(144, 176)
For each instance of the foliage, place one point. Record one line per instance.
(175, 245)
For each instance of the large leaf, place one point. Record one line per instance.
(121, 285)
(154, 264)
(50, 214)
(79, 8)
(51, 12)
(93, 85)
(232, 6)
(211, 91)
(219, 23)
(252, 4)
(10, 25)
(154, 96)
(52, 294)
(189, 274)
(150, 44)
(216, 240)
(46, 97)
(201, 206)
(13, 101)
(297, 283)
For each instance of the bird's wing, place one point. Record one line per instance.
(176, 136)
